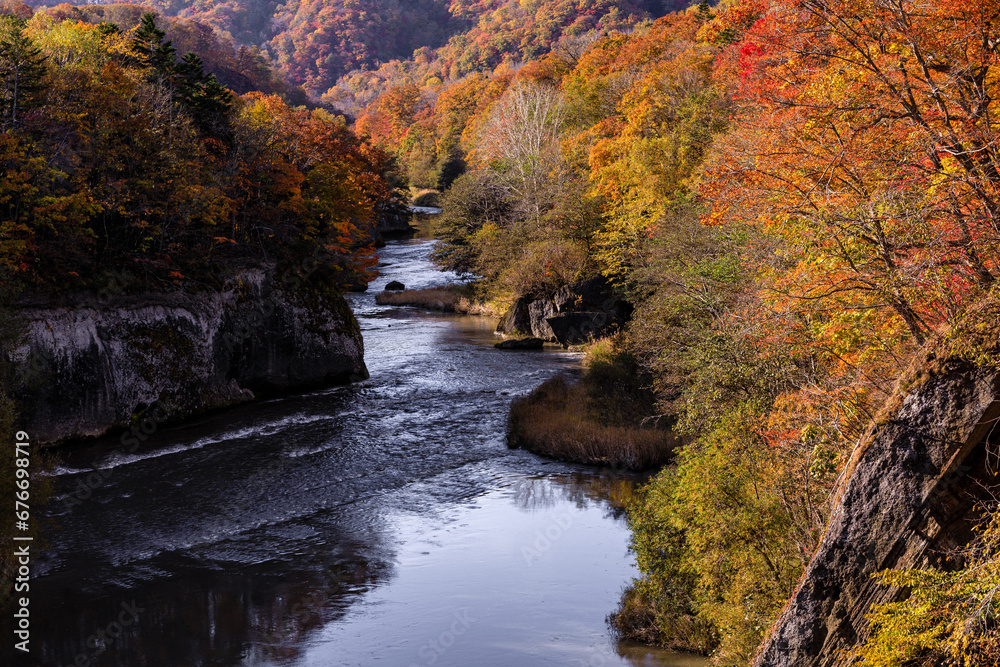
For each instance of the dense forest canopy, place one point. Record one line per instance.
(123, 157)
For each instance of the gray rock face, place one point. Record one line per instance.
(578, 327)
(912, 496)
(87, 370)
(594, 294)
(539, 311)
(517, 320)
(392, 224)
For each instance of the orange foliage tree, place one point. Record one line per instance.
(868, 143)
(865, 146)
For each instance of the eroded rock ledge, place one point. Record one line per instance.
(89, 369)
(911, 497)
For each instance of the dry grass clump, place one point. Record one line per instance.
(552, 421)
(448, 299)
(435, 298)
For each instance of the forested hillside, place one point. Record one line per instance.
(316, 42)
(797, 196)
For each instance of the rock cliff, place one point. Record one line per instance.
(87, 369)
(911, 497)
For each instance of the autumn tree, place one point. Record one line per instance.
(645, 111)
(135, 169)
(520, 144)
(388, 119)
(307, 185)
(868, 144)
(16, 8)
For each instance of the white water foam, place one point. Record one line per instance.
(63, 470)
(117, 459)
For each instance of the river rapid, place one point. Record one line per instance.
(381, 523)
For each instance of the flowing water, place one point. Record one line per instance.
(381, 523)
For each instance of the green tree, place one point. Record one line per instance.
(201, 94)
(22, 69)
(949, 617)
(153, 51)
(474, 201)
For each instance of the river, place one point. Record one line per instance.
(381, 523)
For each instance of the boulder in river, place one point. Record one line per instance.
(395, 286)
(575, 314)
(539, 311)
(395, 223)
(516, 321)
(357, 284)
(520, 344)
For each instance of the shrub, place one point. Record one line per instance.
(652, 619)
(949, 616)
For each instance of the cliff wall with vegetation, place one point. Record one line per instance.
(911, 503)
(88, 369)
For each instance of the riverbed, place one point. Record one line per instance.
(380, 523)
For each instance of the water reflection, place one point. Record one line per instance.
(640, 655)
(535, 564)
(610, 488)
(204, 613)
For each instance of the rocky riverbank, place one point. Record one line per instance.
(89, 368)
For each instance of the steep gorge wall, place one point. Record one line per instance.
(912, 497)
(86, 370)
